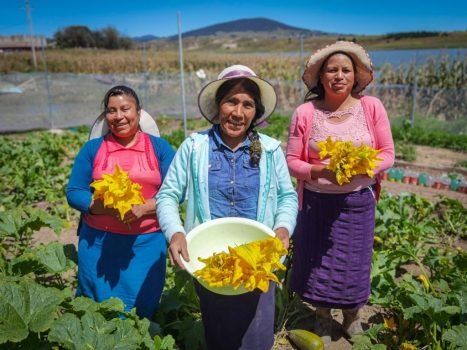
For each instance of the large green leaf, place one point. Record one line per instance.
(24, 307)
(10, 223)
(53, 258)
(457, 336)
(49, 258)
(110, 305)
(192, 332)
(93, 331)
(166, 343)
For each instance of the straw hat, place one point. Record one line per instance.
(146, 123)
(206, 98)
(361, 59)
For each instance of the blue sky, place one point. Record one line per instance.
(159, 17)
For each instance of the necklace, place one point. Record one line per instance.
(338, 115)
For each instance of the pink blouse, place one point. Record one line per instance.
(141, 163)
(354, 129)
(300, 131)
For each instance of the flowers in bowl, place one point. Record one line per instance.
(250, 265)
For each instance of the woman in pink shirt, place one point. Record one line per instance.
(333, 240)
(121, 257)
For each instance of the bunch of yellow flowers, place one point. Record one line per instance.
(117, 191)
(249, 264)
(347, 160)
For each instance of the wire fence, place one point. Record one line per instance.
(62, 100)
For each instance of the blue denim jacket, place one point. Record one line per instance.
(233, 181)
(187, 178)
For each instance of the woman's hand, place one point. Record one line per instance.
(136, 212)
(97, 208)
(283, 234)
(178, 246)
(139, 210)
(320, 171)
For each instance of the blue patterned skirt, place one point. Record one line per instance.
(129, 267)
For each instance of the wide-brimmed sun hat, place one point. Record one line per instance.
(146, 123)
(360, 57)
(207, 96)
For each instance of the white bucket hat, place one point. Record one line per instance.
(146, 123)
(361, 59)
(206, 98)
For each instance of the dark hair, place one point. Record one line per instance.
(317, 93)
(252, 89)
(118, 91)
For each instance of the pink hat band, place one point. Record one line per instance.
(237, 74)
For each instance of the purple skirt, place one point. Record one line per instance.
(332, 249)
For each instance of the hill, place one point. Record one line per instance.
(145, 38)
(257, 25)
(266, 35)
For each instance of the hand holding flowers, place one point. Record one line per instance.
(118, 192)
(347, 160)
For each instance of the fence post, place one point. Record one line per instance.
(47, 85)
(414, 102)
(180, 49)
(414, 94)
(146, 77)
(301, 67)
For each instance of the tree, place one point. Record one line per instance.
(82, 36)
(75, 36)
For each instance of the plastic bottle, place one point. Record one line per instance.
(429, 182)
(454, 184)
(392, 174)
(422, 177)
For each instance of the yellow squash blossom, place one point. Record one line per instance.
(377, 239)
(390, 323)
(347, 160)
(117, 191)
(422, 278)
(249, 264)
(407, 346)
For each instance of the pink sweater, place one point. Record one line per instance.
(299, 135)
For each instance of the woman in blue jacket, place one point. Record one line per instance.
(230, 170)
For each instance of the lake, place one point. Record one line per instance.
(401, 57)
(419, 57)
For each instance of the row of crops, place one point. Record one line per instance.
(418, 274)
(439, 72)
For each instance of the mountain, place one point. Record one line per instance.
(257, 25)
(145, 38)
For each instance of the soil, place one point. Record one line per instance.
(433, 161)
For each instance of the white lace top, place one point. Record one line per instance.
(353, 127)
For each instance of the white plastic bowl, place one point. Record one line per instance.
(216, 236)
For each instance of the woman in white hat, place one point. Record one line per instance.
(124, 258)
(334, 236)
(230, 170)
